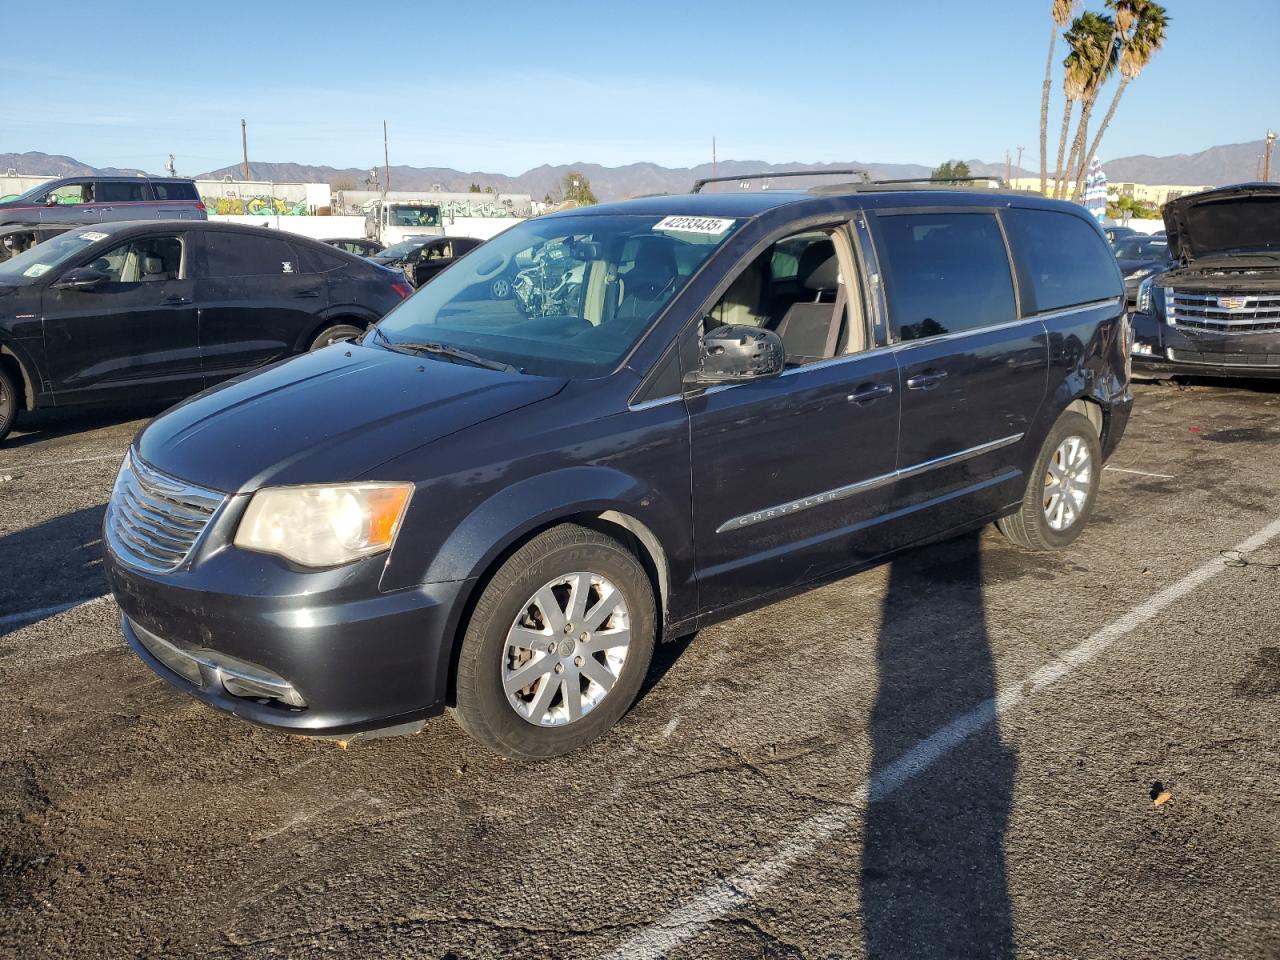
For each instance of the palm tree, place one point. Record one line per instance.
(1141, 26)
(1073, 83)
(1098, 50)
(1061, 17)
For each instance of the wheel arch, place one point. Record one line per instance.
(14, 363)
(333, 316)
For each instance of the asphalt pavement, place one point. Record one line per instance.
(972, 751)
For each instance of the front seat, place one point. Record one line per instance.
(153, 269)
(646, 286)
(810, 329)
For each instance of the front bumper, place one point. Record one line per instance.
(329, 656)
(1175, 351)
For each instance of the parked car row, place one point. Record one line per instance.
(158, 310)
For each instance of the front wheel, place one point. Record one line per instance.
(1062, 487)
(501, 289)
(338, 333)
(8, 402)
(557, 647)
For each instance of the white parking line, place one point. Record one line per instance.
(717, 899)
(31, 616)
(1140, 473)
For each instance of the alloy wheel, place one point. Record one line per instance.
(566, 649)
(1068, 477)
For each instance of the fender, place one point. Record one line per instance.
(514, 512)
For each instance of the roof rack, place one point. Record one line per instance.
(699, 184)
(912, 183)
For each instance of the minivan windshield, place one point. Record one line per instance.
(559, 296)
(30, 265)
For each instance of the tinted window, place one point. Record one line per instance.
(175, 191)
(110, 191)
(1066, 260)
(946, 273)
(247, 255)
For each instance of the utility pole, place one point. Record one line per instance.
(386, 159)
(244, 145)
(1266, 157)
(713, 162)
(1008, 166)
(173, 171)
(1020, 149)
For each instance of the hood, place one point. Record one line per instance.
(328, 417)
(1218, 222)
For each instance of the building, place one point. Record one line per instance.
(1148, 194)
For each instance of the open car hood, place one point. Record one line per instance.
(1226, 220)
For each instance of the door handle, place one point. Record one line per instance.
(870, 391)
(303, 294)
(177, 299)
(927, 380)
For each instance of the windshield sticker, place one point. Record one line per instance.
(37, 270)
(93, 236)
(286, 266)
(711, 226)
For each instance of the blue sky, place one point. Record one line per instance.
(501, 87)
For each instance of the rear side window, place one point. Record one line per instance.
(247, 255)
(175, 191)
(945, 273)
(121, 192)
(1067, 262)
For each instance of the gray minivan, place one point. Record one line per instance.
(94, 199)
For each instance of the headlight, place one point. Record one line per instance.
(1144, 295)
(1142, 272)
(324, 526)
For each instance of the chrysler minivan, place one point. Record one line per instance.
(702, 404)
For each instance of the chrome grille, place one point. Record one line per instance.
(1224, 313)
(1227, 359)
(153, 520)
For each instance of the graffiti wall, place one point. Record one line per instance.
(257, 206)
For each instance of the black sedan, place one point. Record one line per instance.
(1140, 257)
(159, 310)
(421, 258)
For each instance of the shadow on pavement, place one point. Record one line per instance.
(933, 868)
(43, 425)
(55, 562)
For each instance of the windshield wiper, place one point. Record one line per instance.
(443, 350)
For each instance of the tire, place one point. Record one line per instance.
(338, 333)
(537, 721)
(10, 401)
(1042, 521)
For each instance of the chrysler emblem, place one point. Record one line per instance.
(1232, 303)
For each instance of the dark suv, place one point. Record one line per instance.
(703, 404)
(158, 311)
(85, 200)
(1216, 312)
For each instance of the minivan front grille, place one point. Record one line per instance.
(1224, 313)
(153, 520)
(1226, 359)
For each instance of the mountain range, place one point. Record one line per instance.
(1230, 163)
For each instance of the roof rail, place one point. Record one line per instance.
(911, 182)
(700, 183)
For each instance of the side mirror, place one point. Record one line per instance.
(731, 354)
(84, 279)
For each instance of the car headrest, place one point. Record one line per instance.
(818, 268)
(151, 265)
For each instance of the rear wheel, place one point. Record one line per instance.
(557, 647)
(1061, 489)
(338, 333)
(9, 401)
